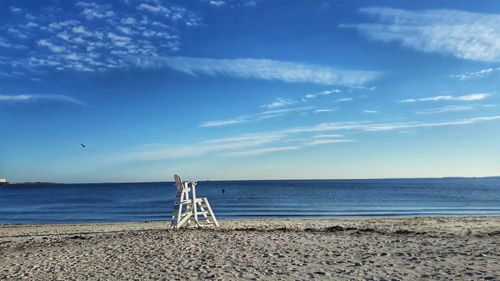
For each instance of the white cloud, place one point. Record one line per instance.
(129, 20)
(285, 140)
(84, 4)
(415, 125)
(327, 141)
(61, 24)
(323, 110)
(223, 122)
(327, 136)
(17, 32)
(174, 13)
(217, 3)
(120, 41)
(15, 9)
(152, 8)
(466, 35)
(278, 141)
(454, 108)
(81, 31)
(32, 24)
(6, 74)
(264, 69)
(51, 46)
(4, 43)
(344, 100)
(362, 88)
(259, 116)
(125, 30)
(282, 111)
(240, 145)
(371, 127)
(27, 98)
(477, 74)
(264, 150)
(445, 109)
(244, 140)
(95, 11)
(232, 3)
(471, 97)
(221, 145)
(474, 97)
(279, 102)
(322, 93)
(371, 111)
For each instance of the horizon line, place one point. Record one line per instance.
(283, 179)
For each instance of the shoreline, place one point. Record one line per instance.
(410, 248)
(263, 218)
(445, 224)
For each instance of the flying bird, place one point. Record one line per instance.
(83, 145)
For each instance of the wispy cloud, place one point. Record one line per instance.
(174, 13)
(264, 150)
(232, 3)
(453, 108)
(222, 145)
(278, 108)
(287, 139)
(466, 35)
(416, 125)
(326, 136)
(15, 9)
(373, 127)
(4, 43)
(371, 111)
(218, 123)
(28, 98)
(217, 3)
(477, 74)
(322, 110)
(279, 102)
(263, 115)
(92, 10)
(344, 100)
(240, 145)
(471, 97)
(445, 109)
(264, 69)
(273, 149)
(282, 102)
(319, 94)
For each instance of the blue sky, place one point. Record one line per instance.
(216, 89)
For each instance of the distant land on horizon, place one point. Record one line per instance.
(242, 180)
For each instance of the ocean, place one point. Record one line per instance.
(118, 202)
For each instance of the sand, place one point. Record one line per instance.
(436, 248)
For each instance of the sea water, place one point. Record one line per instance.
(115, 202)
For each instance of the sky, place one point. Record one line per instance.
(248, 89)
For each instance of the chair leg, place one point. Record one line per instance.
(210, 211)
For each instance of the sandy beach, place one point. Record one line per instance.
(436, 248)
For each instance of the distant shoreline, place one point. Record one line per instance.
(339, 218)
(252, 180)
(30, 183)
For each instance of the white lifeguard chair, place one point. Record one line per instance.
(189, 210)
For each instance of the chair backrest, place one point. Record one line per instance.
(178, 182)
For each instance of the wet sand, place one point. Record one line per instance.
(436, 248)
